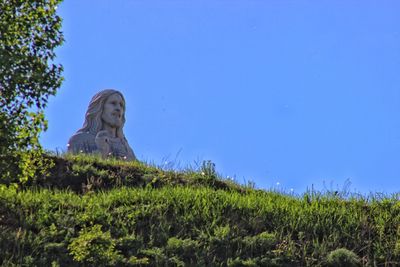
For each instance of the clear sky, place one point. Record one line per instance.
(298, 93)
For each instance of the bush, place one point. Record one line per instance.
(343, 258)
(93, 246)
(186, 249)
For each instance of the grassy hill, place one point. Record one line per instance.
(93, 212)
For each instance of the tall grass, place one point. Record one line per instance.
(191, 223)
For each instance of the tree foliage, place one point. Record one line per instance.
(29, 33)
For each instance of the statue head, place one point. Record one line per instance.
(106, 107)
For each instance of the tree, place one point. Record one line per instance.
(29, 33)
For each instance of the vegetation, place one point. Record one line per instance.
(85, 211)
(90, 211)
(29, 33)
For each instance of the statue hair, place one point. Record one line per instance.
(93, 122)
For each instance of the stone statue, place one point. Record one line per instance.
(102, 131)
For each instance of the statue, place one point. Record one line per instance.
(102, 131)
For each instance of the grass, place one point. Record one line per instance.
(91, 212)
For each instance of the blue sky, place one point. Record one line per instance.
(298, 93)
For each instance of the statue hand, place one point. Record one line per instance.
(102, 141)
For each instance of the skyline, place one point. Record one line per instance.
(295, 93)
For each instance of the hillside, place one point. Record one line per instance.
(93, 212)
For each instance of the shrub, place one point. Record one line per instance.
(259, 244)
(93, 246)
(343, 258)
(185, 248)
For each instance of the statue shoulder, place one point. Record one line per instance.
(82, 142)
(130, 154)
(81, 137)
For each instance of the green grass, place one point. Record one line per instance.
(91, 212)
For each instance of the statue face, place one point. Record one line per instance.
(113, 111)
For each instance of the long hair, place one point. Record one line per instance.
(93, 122)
